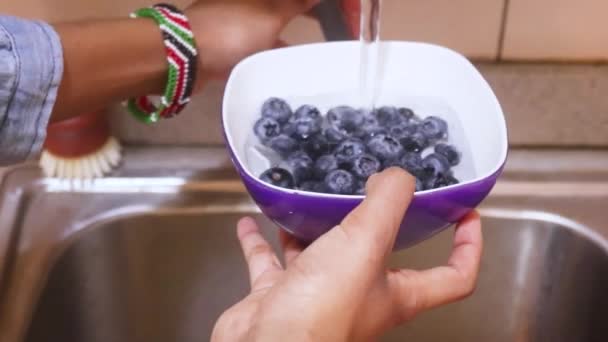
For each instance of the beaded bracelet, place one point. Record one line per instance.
(181, 55)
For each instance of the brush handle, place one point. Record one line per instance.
(78, 136)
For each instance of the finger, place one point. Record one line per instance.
(258, 253)
(418, 291)
(291, 246)
(377, 219)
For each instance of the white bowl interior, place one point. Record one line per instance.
(431, 80)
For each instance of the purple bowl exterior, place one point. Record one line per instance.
(309, 217)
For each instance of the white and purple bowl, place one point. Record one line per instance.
(430, 79)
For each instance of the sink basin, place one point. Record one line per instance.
(152, 256)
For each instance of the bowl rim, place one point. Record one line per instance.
(467, 63)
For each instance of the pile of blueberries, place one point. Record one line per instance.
(338, 152)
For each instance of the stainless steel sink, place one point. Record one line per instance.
(150, 254)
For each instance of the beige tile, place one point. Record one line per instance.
(471, 27)
(557, 29)
(58, 10)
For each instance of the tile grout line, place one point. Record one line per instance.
(503, 29)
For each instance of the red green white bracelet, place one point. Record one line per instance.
(182, 57)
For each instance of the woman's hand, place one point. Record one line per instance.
(339, 289)
(227, 31)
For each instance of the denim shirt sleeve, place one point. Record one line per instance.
(31, 67)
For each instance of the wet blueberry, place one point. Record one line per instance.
(266, 128)
(283, 145)
(415, 142)
(389, 116)
(385, 147)
(313, 186)
(334, 135)
(348, 150)
(408, 114)
(317, 145)
(360, 189)
(449, 152)
(304, 128)
(365, 165)
(344, 118)
(279, 177)
(308, 112)
(301, 166)
(440, 181)
(340, 182)
(434, 128)
(277, 109)
(412, 163)
(400, 132)
(324, 165)
(435, 165)
(419, 185)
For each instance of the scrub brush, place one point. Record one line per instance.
(80, 148)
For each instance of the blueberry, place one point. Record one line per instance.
(419, 185)
(385, 147)
(312, 186)
(340, 182)
(435, 165)
(348, 150)
(407, 114)
(266, 128)
(308, 112)
(277, 109)
(344, 118)
(317, 145)
(400, 132)
(304, 128)
(365, 165)
(415, 142)
(279, 177)
(283, 145)
(300, 164)
(389, 116)
(449, 152)
(434, 128)
(324, 165)
(360, 189)
(440, 181)
(412, 163)
(334, 135)
(370, 128)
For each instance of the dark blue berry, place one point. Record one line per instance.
(415, 142)
(283, 145)
(317, 145)
(449, 152)
(340, 182)
(279, 177)
(370, 127)
(440, 181)
(407, 114)
(324, 165)
(385, 147)
(365, 165)
(313, 186)
(266, 128)
(334, 135)
(402, 131)
(360, 189)
(389, 116)
(419, 185)
(300, 164)
(277, 109)
(434, 128)
(308, 112)
(435, 165)
(344, 118)
(348, 150)
(304, 128)
(412, 163)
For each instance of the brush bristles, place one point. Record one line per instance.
(93, 165)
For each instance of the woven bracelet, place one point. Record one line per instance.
(182, 58)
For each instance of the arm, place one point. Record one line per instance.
(108, 61)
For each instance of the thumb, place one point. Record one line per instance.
(375, 222)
